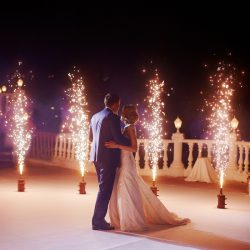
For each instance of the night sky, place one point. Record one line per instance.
(111, 46)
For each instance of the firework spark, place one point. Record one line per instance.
(77, 120)
(153, 122)
(20, 131)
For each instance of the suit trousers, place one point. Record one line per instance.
(106, 177)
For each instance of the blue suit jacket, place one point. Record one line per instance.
(106, 126)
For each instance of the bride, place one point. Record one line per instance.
(133, 206)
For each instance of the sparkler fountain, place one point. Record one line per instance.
(77, 122)
(154, 124)
(20, 131)
(219, 121)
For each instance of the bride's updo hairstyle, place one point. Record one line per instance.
(129, 114)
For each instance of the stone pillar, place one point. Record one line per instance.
(177, 167)
(190, 159)
(231, 171)
(232, 164)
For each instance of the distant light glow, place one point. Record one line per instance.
(4, 88)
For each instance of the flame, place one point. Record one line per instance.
(153, 122)
(77, 120)
(21, 168)
(82, 168)
(221, 179)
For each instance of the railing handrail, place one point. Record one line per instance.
(243, 143)
(205, 141)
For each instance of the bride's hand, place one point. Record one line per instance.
(111, 144)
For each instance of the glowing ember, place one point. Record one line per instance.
(19, 126)
(77, 120)
(153, 121)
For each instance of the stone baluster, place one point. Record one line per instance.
(60, 141)
(64, 145)
(241, 158)
(40, 145)
(34, 146)
(69, 145)
(199, 144)
(209, 151)
(165, 155)
(246, 160)
(53, 141)
(146, 159)
(56, 153)
(190, 156)
(47, 145)
(72, 151)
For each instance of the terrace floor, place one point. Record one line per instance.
(52, 215)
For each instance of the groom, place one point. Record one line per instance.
(105, 126)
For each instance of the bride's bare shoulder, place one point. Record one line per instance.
(131, 130)
(130, 127)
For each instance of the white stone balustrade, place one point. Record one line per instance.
(43, 146)
(176, 161)
(243, 162)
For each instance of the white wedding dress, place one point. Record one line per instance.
(133, 206)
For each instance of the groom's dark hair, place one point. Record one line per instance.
(111, 99)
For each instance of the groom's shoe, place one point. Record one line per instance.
(103, 227)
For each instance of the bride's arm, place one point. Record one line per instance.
(133, 140)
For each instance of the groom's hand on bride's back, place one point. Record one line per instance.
(111, 144)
